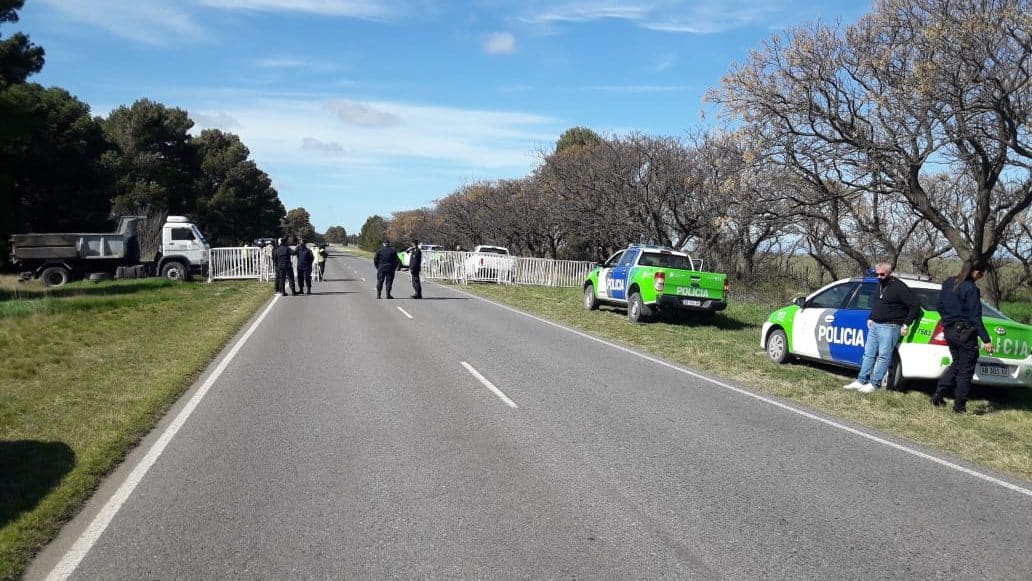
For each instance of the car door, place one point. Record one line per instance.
(603, 275)
(848, 332)
(813, 325)
(616, 282)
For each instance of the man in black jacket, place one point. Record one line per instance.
(896, 307)
(960, 305)
(415, 263)
(305, 258)
(284, 268)
(386, 262)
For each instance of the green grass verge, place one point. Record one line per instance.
(87, 372)
(997, 434)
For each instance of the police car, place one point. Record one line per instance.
(830, 325)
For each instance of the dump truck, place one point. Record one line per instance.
(56, 259)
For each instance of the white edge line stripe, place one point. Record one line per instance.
(803, 413)
(96, 528)
(489, 385)
(404, 313)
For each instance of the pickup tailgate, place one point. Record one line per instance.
(694, 284)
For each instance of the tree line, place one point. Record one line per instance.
(904, 137)
(64, 170)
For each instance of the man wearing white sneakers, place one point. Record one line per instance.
(895, 308)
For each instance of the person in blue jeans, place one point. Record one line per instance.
(896, 307)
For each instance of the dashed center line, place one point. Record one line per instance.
(404, 312)
(489, 385)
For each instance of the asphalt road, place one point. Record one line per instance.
(351, 438)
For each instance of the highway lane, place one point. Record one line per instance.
(347, 440)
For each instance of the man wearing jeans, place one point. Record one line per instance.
(895, 308)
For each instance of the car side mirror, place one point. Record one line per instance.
(799, 302)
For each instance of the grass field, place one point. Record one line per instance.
(87, 371)
(997, 434)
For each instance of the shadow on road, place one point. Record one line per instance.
(29, 470)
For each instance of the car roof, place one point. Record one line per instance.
(910, 282)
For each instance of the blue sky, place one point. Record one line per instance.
(362, 107)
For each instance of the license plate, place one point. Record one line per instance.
(690, 303)
(991, 369)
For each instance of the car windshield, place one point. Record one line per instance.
(665, 260)
(929, 296)
(493, 250)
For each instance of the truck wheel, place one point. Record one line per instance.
(637, 312)
(590, 302)
(777, 346)
(174, 270)
(55, 276)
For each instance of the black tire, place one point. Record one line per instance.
(637, 312)
(99, 276)
(140, 271)
(175, 270)
(590, 302)
(894, 374)
(55, 276)
(120, 272)
(777, 346)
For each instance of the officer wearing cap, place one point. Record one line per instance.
(284, 268)
(386, 262)
(415, 264)
(960, 306)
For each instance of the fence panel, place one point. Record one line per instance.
(239, 263)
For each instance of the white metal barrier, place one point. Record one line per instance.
(463, 267)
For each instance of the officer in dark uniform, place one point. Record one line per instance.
(284, 269)
(960, 305)
(386, 262)
(415, 262)
(305, 258)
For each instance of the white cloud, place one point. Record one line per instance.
(217, 120)
(500, 43)
(664, 63)
(312, 144)
(361, 115)
(683, 16)
(361, 9)
(154, 22)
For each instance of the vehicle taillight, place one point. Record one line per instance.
(659, 283)
(938, 335)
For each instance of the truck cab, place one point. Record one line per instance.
(184, 250)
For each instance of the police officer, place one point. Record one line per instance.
(320, 261)
(960, 306)
(386, 262)
(284, 269)
(415, 262)
(305, 258)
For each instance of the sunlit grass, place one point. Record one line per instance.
(87, 371)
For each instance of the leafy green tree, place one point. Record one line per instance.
(577, 137)
(19, 59)
(298, 224)
(235, 200)
(75, 192)
(372, 233)
(336, 235)
(154, 160)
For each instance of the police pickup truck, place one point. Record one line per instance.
(655, 279)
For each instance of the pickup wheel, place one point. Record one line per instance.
(777, 346)
(55, 276)
(175, 270)
(637, 312)
(590, 302)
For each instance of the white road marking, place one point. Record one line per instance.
(96, 528)
(363, 279)
(489, 385)
(404, 313)
(805, 414)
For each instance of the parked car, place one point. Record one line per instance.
(490, 264)
(830, 325)
(653, 279)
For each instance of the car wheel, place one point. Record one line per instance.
(590, 302)
(894, 375)
(55, 276)
(636, 309)
(175, 271)
(777, 346)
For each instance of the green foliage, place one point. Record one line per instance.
(236, 201)
(336, 235)
(577, 137)
(154, 161)
(372, 234)
(298, 224)
(19, 58)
